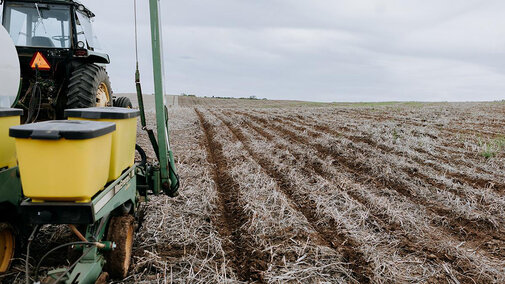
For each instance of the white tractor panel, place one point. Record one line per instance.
(9, 69)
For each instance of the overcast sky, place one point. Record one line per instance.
(319, 50)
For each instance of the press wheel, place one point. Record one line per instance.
(103, 278)
(7, 246)
(120, 231)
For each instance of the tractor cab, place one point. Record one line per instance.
(54, 38)
(38, 25)
(49, 24)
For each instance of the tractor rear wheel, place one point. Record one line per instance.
(89, 86)
(7, 246)
(123, 102)
(120, 231)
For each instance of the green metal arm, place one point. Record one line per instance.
(169, 178)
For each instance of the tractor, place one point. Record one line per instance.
(49, 71)
(61, 67)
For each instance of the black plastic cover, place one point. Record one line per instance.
(5, 112)
(68, 129)
(102, 113)
(57, 212)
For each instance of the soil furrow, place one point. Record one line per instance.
(413, 172)
(479, 230)
(386, 222)
(247, 260)
(334, 238)
(381, 117)
(442, 128)
(458, 177)
(321, 193)
(409, 244)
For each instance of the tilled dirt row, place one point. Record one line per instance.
(432, 248)
(332, 237)
(463, 152)
(395, 271)
(278, 235)
(472, 174)
(318, 195)
(324, 195)
(481, 228)
(231, 218)
(415, 168)
(176, 239)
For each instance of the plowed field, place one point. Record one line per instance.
(292, 192)
(354, 193)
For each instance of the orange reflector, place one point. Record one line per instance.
(39, 61)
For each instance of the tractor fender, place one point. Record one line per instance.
(97, 57)
(94, 57)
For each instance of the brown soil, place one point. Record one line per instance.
(247, 260)
(478, 231)
(352, 202)
(458, 177)
(333, 238)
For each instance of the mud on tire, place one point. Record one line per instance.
(121, 230)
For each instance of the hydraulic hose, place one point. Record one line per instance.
(57, 248)
(142, 153)
(72, 266)
(35, 103)
(35, 98)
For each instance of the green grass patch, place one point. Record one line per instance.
(492, 147)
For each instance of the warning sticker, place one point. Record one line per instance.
(39, 61)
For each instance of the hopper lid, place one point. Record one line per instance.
(102, 113)
(5, 112)
(68, 129)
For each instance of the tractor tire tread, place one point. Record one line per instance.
(83, 85)
(123, 102)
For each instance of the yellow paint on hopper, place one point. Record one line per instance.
(7, 145)
(123, 144)
(64, 170)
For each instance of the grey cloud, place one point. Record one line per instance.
(315, 50)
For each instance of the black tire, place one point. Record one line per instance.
(123, 102)
(84, 84)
